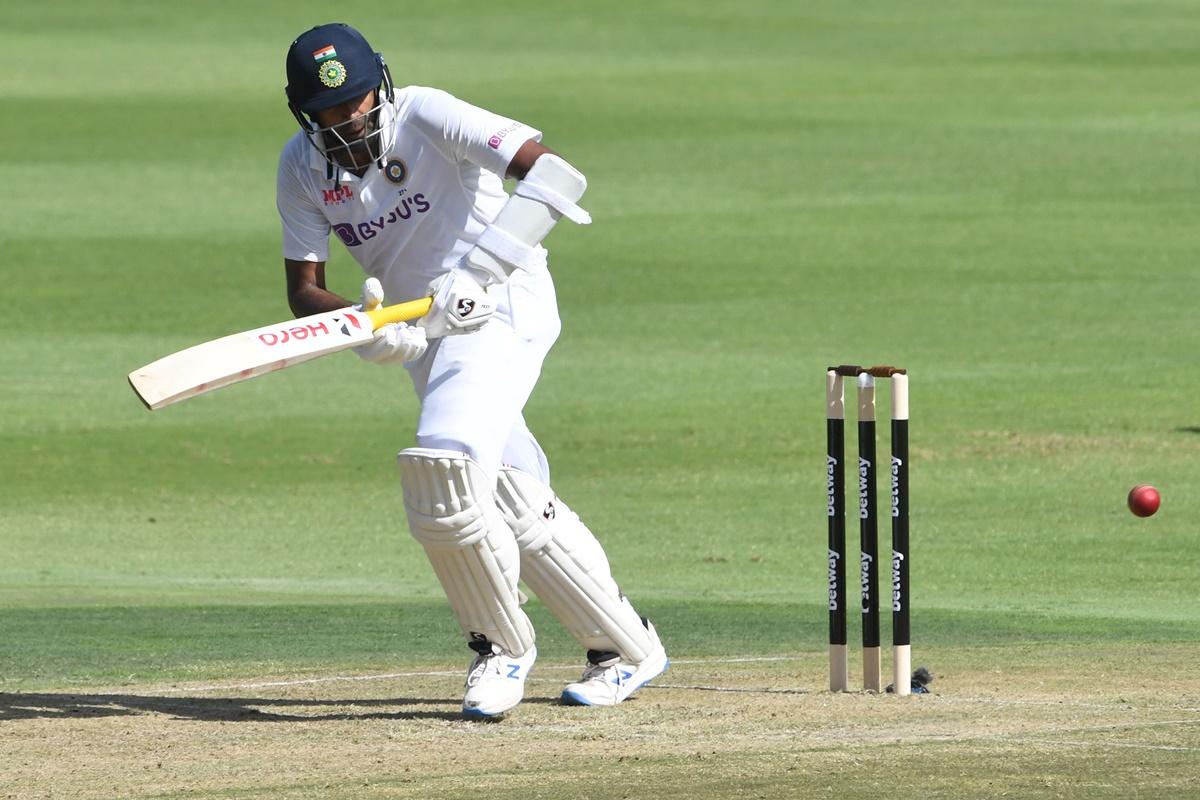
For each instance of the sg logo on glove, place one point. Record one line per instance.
(460, 305)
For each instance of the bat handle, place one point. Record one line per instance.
(401, 312)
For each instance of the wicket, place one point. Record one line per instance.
(839, 678)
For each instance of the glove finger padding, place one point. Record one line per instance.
(395, 342)
(460, 305)
(372, 294)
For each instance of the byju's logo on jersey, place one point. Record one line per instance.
(353, 234)
(497, 138)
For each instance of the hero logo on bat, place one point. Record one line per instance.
(310, 331)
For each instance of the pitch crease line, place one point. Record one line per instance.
(432, 674)
(1103, 745)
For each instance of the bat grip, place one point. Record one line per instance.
(401, 312)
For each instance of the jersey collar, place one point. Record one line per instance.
(318, 162)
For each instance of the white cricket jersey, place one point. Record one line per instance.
(441, 185)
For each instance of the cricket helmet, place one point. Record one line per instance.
(329, 65)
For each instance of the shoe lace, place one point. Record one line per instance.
(481, 666)
(598, 672)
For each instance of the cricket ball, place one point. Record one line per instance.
(1144, 500)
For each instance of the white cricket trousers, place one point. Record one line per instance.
(473, 386)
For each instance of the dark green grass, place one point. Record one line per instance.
(81, 646)
(998, 196)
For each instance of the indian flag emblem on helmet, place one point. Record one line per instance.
(332, 73)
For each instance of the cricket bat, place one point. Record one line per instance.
(241, 356)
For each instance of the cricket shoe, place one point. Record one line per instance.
(607, 680)
(496, 682)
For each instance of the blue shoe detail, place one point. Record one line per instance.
(570, 698)
(475, 713)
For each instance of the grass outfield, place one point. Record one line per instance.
(999, 196)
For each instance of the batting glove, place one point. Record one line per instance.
(394, 343)
(460, 305)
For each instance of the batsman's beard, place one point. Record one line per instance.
(353, 144)
(359, 141)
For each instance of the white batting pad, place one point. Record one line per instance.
(452, 513)
(565, 566)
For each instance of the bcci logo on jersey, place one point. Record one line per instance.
(396, 171)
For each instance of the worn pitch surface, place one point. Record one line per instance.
(711, 728)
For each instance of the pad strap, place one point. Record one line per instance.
(512, 250)
(548, 192)
(536, 189)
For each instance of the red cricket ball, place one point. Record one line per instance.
(1144, 500)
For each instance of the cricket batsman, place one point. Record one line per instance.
(411, 181)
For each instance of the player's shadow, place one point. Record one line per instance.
(1188, 429)
(222, 709)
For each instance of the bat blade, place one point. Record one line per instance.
(241, 356)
